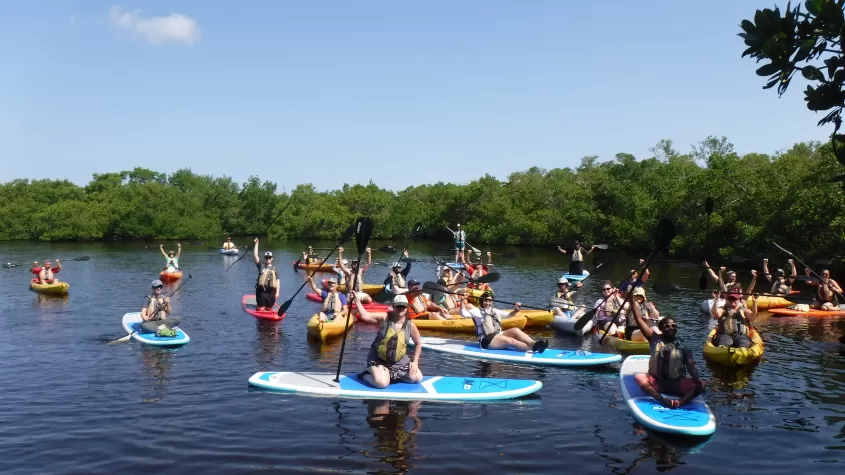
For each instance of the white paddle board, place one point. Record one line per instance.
(566, 323)
(132, 322)
(692, 419)
(432, 388)
(577, 278)
(550, 357)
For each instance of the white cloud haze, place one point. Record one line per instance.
(156, 30)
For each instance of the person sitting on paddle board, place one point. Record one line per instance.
(154, 313)
(828, 289)
(347, 274)
(396, 279)
(334, 302)
(267, 285)
(565, 295)
(781, 284)
(733, 321)
(647, 310)
(419, 304)
(460, 243)
(488, 327)
(669, 362)
(229, 245)
(576, 259)
(478, 270)
(46, 274)
(172, 265)
(388, 361)
(607, 308)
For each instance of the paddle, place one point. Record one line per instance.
(708, 208)
(808, 267)
(662, 239)
(414, 232)
(345, 237)
(10, 265)
(463, 241)
(363, 233)
(484, 279)
(81, 259)
(664, 288)
(127, 337)
(246, 252)
(384, 249)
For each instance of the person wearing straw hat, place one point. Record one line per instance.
(647, 310)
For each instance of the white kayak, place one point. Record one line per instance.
(551, 357)
(567, 323)
(708, 304)
(693, 419)
(432, 388)
(132, 322)
(229, 252)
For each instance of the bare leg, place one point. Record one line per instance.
(377, 376)
(502, 342)
(519, 335)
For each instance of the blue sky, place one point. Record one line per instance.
(402, 93)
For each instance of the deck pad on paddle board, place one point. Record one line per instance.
(248, 304)
(692, 419)
(577, 277)
(432, 388)
(789, 312)
(550, 357)
(132, 322)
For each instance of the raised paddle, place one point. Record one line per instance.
(414, 232)
(345, 237)
(363, 233)
(662, 239)
(808, 267)
(664, 288)
(708, 208)
(127, 337)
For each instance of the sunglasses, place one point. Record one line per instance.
(606, 289)
(158, 287)
(400, 306)
(670, 325)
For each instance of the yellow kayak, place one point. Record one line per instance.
(536, 318)
(619, 343)
(465, 325)
(734, 356)
(59, 288)
(369, 289)
(327, 330)
(314, 267)
(765, 302)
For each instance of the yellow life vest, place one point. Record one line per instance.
(392, 341)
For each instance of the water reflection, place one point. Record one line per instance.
(158, 362)
(392, 439)
(48, 301)
(267, 346)
(730, 377)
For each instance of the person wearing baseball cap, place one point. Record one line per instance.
(421, 306)
(334, 302)
(155, 313)
(388, 361)
(347, 272)
(46, 273)
(460, 243)
(396, 279)
(267, 284)
(488, 327)
(781, 284)
(229, 244)
(733, 321)
(172, 257)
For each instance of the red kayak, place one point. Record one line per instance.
(248, 304)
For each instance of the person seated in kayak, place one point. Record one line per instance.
(155, 313)
(229, 245)
(267, 285)
(172, 265)
(46, 273)
(347, 274)
(607, 308)
(564, 294)
(731, 284)
(387, 360)
(460, 243)
(733, 321)
(334, 302)
(450, 302)
(420, 305)
(576, 259)
(668, 364)
(781, 284)
(396, 279)
(488, 327)
(647, 310)
(450, 277)
(828, 290)
(477, 270)
(634, 279)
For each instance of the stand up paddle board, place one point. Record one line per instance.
(248, 304)
(692, 419)
(132, 322)
(432, 388)
(577, 278)
(547, 358)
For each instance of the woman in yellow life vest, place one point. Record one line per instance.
(334, 302)
(733, 321)
(564, 295)
(267, 285)
(228, 245)
(388, 361)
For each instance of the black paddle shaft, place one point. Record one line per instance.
(363, 233)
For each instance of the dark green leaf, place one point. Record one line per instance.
(811, 73)
(837, 179)
(748, 27)
(804, 50)
(769, 69)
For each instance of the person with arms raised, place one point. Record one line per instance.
(46, 274)
(781, 284)
(576, 259)
(346, 274)
(334, 302)
(172, 265)
(668, 365)
(267, 285)
(396, 279)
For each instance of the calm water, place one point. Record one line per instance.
(72, 404)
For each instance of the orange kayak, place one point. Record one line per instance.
(170, 277)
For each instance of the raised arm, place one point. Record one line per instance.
(711, 272)
(161, 248)
(369, 261)
(561, 249)
(794, 273)
(407, 268)
(715, 310)
(753, 282)
(255, 253)
(722, 286)
(489, 258)
(644, 327)
(766, 270)
(178, 250)
(313, 285)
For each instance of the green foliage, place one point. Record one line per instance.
(758, 198)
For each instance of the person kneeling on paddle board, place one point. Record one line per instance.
(576, 260)
(733, 321)
(334, 302)
(172, 265)
(488, 327)
(45, 274)
(267, 285)
(667, 367)
(388, 361)
(154, 313)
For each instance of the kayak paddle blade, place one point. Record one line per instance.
(486, 279)
(702, 281)
(283, 308)
(434, 286)
(363, 233)
(665, 234)
(585, 318)
(387, 249)
(603, 247)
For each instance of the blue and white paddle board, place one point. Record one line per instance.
(550, 357)
(577, 278)
(693, 419)
(432, 388)
(132, 322)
